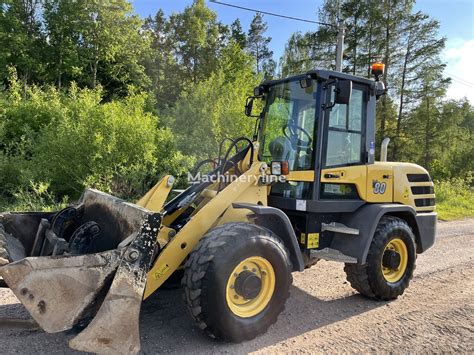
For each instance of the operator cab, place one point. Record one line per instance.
(319, 120)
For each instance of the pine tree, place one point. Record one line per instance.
(195, 34)
(237, 34)
(422, 48)
(394, 12)
(160, 65)
(426, 121)
(296, 57)
(257, 44)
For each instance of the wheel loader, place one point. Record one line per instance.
(305, 188)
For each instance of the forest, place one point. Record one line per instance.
(93, 95)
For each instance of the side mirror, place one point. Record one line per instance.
(306, 83)
(249, 106)
(343, 92)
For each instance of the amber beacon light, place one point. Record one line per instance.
(377, 70)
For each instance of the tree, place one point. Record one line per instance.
(422, 48)
(296, 57)
(62, 21)
(215, 106)
(21, 40)
(394, 12)
(426, 122)
(237, 34)
(112, 45)
(257, 43)
(161, 65)
(185, 50)
(195, 33)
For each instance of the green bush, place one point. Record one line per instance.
(455, 197)
(72, 140)
(34, 197)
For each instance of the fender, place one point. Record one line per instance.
(278, 222)
(366, 219)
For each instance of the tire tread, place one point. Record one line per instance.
(361, 276)
(215, 242)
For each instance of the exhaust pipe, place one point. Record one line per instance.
(384, 149)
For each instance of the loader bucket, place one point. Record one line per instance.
(84, 266)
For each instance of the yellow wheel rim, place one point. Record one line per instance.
(235, 297)
(395, 273)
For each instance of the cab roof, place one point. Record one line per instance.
(320, 74)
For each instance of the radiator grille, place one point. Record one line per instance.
(424, 202)
(422, 190)
(418, 178)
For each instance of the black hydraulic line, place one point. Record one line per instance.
(221, 145)
(234, 144)
(225, 160)
(195, 170)
(191, 192)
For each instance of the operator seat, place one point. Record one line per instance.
(280, 148)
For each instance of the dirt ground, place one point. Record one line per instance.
(323, 314)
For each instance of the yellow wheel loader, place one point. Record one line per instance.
(305, 188)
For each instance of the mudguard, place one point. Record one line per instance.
(366, 219)
(278, 222)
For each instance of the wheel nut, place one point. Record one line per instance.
(254, 270)
(245, 267)
(232, 287)
(133, 255)
(235, 296)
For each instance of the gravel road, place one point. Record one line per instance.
(323, 314)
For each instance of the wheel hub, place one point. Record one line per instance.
(248, 285)
(391, 259)
(394, 260)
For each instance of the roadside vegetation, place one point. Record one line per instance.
(114, 101)
(455, 198)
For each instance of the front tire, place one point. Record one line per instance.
(236, 281)
(390, 261)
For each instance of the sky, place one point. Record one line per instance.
(456, 24)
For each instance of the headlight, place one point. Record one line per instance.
(276, 168)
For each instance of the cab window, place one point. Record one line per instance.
(345, 143)
(289, 125)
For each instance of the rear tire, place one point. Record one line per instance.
(390, 261)
(236, 281)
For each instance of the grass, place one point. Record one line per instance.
(454, 198)
(36, 197)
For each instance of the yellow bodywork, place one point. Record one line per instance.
(156, 197)
(382, 182)
(391, 175)
(215, 211)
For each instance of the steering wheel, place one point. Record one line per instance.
(293, 132)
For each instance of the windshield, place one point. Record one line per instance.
(289, 125)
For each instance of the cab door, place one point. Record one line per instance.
(344, 155)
